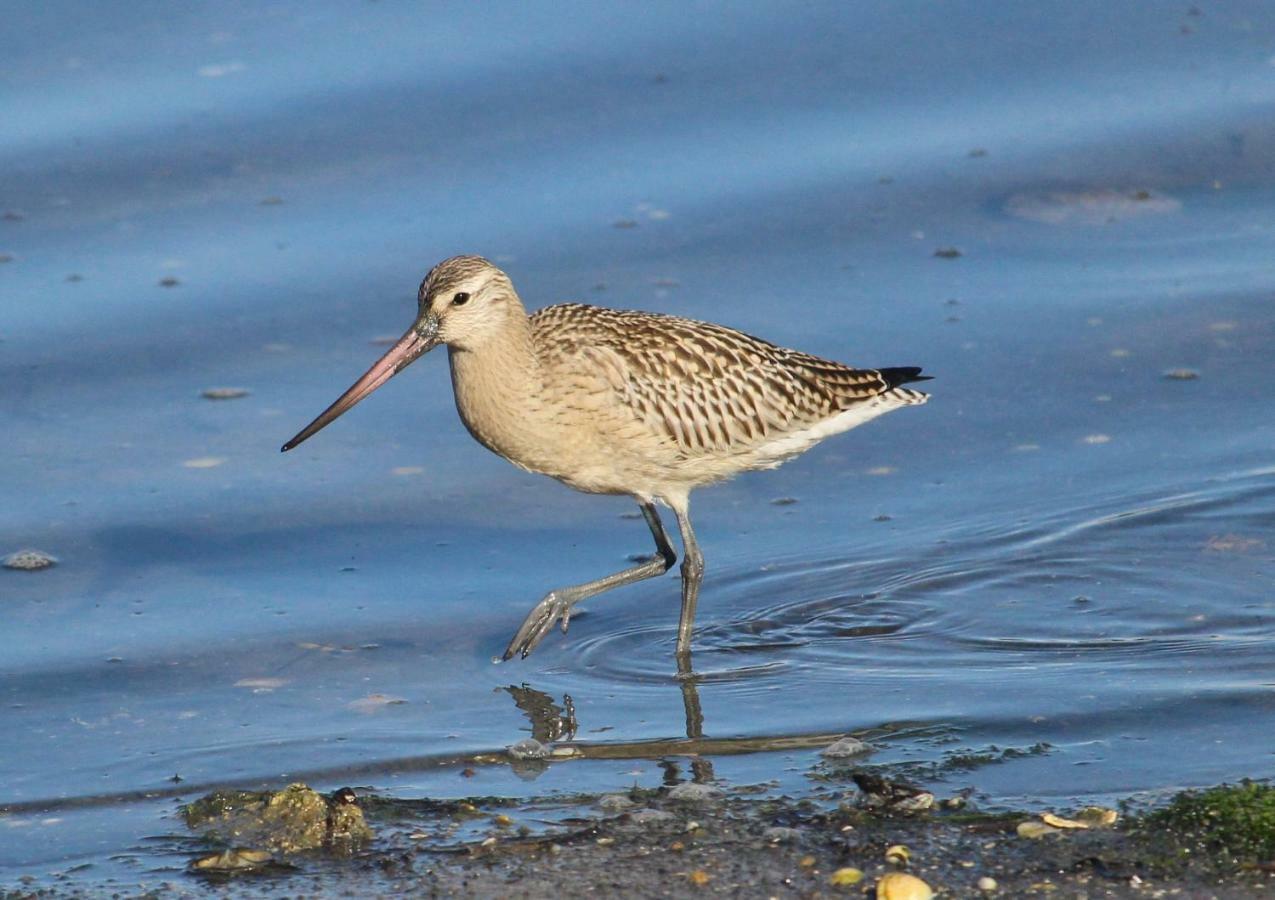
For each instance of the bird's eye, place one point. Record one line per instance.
(460, 299)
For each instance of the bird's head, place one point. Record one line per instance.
(462, 303)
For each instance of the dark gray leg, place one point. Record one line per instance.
(692, 575)
(557, 604)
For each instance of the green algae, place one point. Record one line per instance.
(1233, 824)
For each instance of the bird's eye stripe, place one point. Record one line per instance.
(460, 299)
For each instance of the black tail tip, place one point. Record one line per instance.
(903, 375)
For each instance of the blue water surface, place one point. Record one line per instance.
(1061, 210)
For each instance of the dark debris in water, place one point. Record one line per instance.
(223, 393)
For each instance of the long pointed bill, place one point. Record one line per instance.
(410, 347)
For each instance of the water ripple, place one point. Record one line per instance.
(1088, 588)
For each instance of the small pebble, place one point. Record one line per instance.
(845, 877)
(650, 816)
(229, 860)
(1033, 830)
(898, 855)
(223, 393)
(528, 748)
(690, 792)
(614, 803)
(902, 886)
(987, 883)
(778, 834)
(29, 560)
(844, 748)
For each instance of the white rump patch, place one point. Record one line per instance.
(794, 442)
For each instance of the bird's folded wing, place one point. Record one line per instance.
(704, 387)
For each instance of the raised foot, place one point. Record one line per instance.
(539, 622)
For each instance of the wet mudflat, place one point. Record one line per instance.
(210, 219)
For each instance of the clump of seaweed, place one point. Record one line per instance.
(1233, 823)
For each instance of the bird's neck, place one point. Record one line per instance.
(498, 387)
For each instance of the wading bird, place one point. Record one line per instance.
(621, 402)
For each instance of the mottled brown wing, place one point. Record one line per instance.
(705, 387)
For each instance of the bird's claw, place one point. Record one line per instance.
(538, 624)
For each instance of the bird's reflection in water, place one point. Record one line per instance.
(549, 721)
(553, 722)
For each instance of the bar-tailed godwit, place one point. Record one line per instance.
(621, 402)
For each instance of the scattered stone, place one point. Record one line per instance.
(236, 859)
(846, 877)
(898, 855)
(223, 393)
(845, 748)
(1098, 816)
(894, 795)
(1032, 829)
(778, 834)
(1233, 543)
(613, 803)
(987, 884)
(374, 702)
(30, 560)
(692, 792)
(1093, 207)
(294, 819)
(1181, 375)
(650, 816)
(902, 886)
(528, 748)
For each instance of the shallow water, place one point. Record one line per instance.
(1065, 546)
